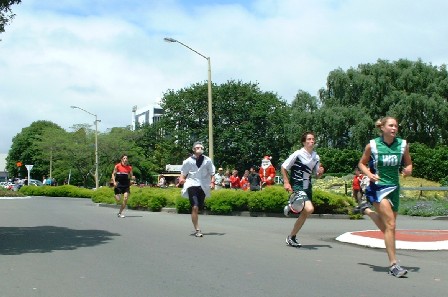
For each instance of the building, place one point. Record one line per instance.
(3, 171)
(146, 115)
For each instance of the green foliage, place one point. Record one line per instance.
(183, 205)
(354, 99)
(8, 193)
(339, 160)
(247, 122)
(250, 123)
(103, 195)
(429, 163)
(270, 199)
(424, 208)
(6, 14)
(153, 199)
(59, 191)
(25, 149)
(327, 202)
(225, 201)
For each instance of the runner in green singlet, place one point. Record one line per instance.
(381, 162)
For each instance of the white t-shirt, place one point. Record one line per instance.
(301, 165)
(197, 176)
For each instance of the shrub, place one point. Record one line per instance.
(8, 193)
(103, 195)
(59, 191)
(219, 205)
(270, 199)
(327, 202)
(183, 205)
(32, 190)
(237, 200)
(424, 208)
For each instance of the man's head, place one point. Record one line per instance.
(198, 148)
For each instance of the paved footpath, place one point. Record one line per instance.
(53, 247)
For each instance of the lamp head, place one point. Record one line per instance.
(168, 39)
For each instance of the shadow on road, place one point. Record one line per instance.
(315, 246)
(44, 239)
(386, 269)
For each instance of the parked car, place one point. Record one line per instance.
(8, 185)
(35, 182)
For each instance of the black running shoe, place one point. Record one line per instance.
(291, 241)
(361, 208)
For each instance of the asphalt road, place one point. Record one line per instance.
(65, 247)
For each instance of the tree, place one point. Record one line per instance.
(24, 148)
(248, 123)
(414, 92)
(6, 14)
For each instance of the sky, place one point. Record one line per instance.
(106, 56)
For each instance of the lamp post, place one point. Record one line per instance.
(210, 116)
(96, 143)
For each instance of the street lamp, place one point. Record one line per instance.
(210, 116)
(96, 143)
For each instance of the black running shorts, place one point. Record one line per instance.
(196, 196)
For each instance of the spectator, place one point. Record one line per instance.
(356, 186)
(162, 181)
(244, 183)
(254, 180)
(219, 176)
(226, 180)
(234, 180)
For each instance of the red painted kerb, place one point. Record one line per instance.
(414, 235)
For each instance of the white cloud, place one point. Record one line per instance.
(107, 56)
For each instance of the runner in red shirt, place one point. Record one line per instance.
(121, 178)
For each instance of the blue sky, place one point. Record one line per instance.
(108, 55)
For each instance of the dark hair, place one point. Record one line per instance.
(198, 143)
(304, 135)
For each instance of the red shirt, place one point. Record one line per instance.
(234, 182)
(244, 183)
(356, 182)
(122, 175)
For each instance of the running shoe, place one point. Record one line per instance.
(120, 215)
(291, 241)
(397, 271)
(286, 210)
(361, 208)
(198, 233)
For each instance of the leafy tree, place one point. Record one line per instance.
(248, 123)
(414, 92)
(24, 149)
(6, 14)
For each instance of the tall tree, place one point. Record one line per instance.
(24, 149)
(6, 14)
(414, 92)
(248, 123)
